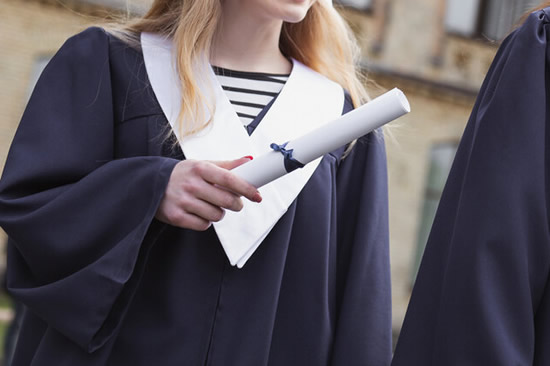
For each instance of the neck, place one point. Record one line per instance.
(248, 43)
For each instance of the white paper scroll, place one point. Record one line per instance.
(327, 138)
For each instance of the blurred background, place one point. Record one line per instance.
(436, 51)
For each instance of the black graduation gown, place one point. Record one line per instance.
(104, 283)
(481, 295)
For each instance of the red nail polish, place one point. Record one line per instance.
(249, 157)
(257, 198)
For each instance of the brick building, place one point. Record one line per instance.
(436, 51)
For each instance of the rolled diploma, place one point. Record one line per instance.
(327, 138)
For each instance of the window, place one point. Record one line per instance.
(130, 6)
(38, 66)
(461, 16)
(441, 158)
(491, 19)
(502, 15)
(357, 4)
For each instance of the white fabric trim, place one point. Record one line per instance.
(312, 99)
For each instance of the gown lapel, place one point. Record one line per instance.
(307, 101)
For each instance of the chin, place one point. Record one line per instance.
(298, 14)
(295, 19)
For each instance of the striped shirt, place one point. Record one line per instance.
(249, 92)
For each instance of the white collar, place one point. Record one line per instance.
(307, 101)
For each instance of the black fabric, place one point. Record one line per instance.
(481, 296)
(256, 121)
(104, 283)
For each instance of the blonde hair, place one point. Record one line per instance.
(322, 41)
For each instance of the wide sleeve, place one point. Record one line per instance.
(482, 280)
(78, 219)
(363, 327)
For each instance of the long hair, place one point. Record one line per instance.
(321, 41)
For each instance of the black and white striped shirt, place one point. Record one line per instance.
(249, 92)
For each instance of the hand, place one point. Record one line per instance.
(198, 193)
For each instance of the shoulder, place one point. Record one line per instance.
(91, 34)
(532, 30)
(87, 51)
(86, 44)
(541, 16)
(94, 43)
(97, 50)
(82, 57)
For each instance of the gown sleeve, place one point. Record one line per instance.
(363, 330)
(78, 218)
(479, 294)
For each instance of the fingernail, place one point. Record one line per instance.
(257, 197)
(249, 157)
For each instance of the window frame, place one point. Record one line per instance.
(366, 9)
(431, 195)
(483, 14)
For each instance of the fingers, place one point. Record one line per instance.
(195, 223)
(229, 181)
(232, 164)
(189, 212)
(204, 210)
(216, 196)
(199, 192)
(186, 220)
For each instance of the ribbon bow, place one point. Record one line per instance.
(290, 163)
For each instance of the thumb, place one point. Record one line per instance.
(231, 164)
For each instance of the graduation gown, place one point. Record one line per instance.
(104, 283)
(481, 296)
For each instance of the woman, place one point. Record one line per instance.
(482, 296)
(118, 180)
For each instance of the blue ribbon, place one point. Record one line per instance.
(290, 163)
